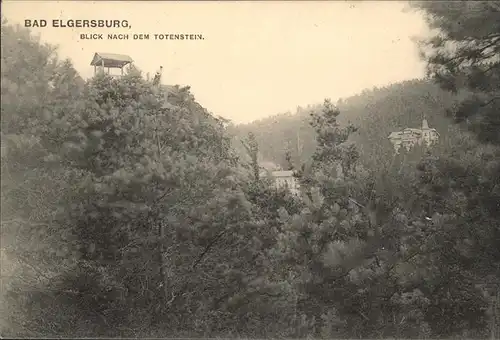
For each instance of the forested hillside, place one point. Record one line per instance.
(376, 113)
(124, 215)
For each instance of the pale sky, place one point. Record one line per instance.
(257, 58)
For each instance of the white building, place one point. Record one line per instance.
(410, 137)
(281, 178)
(285, 179)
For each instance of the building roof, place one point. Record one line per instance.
(288, 173)
(395, 135)
(418, 131)
(110, 60)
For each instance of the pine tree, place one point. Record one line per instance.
(327, 243)
(473, 28)
(252, 148)
(132, 213)
(159, 185)
(463, 196)
(39, 251)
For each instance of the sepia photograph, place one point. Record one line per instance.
(250, 170)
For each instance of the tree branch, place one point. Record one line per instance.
(207, 248)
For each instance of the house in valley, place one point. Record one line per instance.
(410, 137)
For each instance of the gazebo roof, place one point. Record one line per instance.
(111, 60)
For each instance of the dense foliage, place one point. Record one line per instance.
(129, 213)
(465, 54)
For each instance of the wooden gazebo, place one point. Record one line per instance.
(109, 61)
